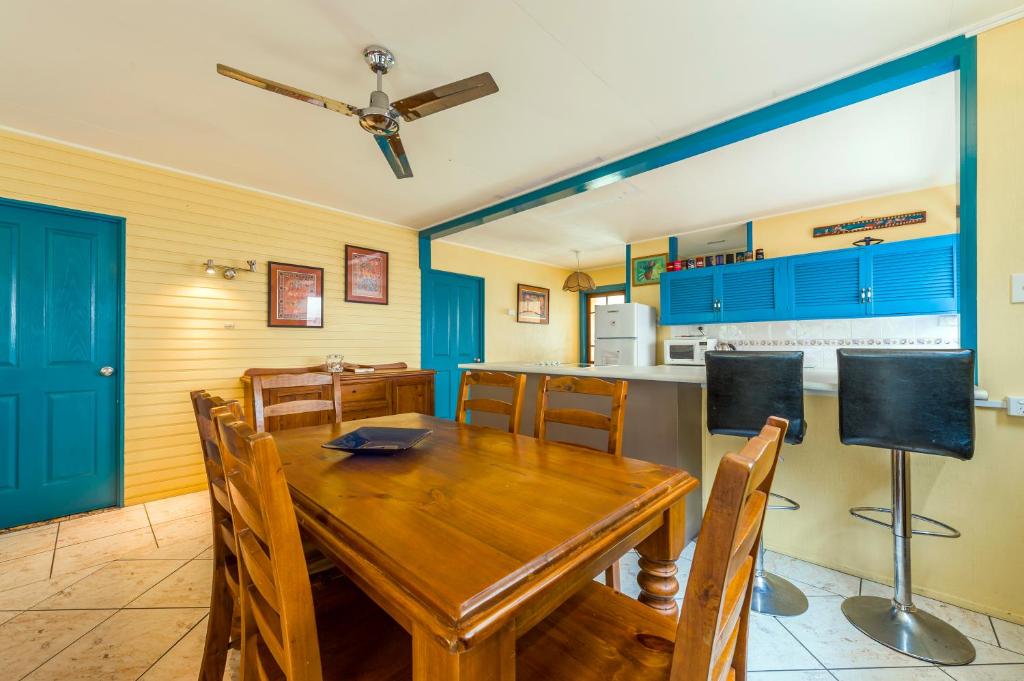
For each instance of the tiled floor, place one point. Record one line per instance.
(123, 595)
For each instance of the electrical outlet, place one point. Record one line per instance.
(1015, 406)
(1017, 288)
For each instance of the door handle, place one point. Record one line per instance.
(477, 359)
(106, 371)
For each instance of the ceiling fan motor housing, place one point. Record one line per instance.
(379, 118)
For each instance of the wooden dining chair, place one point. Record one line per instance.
(292, 627)
(492, 379)
(598, 634)
(616, 390)
(222, 627)
(304, 393)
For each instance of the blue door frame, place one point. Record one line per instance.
(118, 305)
(955, 54)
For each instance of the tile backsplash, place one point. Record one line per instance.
(819, 338)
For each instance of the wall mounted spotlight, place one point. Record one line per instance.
(229, 272)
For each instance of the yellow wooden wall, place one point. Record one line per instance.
(187, 330)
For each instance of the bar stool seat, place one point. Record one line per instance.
(907, 401)
(744, 389)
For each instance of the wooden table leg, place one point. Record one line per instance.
(658, 555)
(493, 659)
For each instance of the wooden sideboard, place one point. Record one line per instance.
(381, 393)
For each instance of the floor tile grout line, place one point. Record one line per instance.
(164, 654)
(53, 556)
(65, 588)
(149, 520)
(127, 607)
(801, 643)
(992, 623)
(79, 638)
(159, 582)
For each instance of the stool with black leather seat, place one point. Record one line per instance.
(744, 389)
(907, 401)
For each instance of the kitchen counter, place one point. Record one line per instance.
(815, 380)
(821, 381)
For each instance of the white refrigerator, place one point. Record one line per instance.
(624, 335)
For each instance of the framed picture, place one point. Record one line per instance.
(647, 269)
(366, 275)
(295, 295)
(533, 304)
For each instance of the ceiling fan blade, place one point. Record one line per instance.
(394, 152)
(445, 97)
(287, 90)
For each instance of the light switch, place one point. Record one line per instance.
(1017, 288)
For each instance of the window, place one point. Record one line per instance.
(592, 301)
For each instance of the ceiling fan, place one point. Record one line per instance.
(381, 116)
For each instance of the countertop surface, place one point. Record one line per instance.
(815, 380)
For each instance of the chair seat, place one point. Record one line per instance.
(358, 640)
(598, 635)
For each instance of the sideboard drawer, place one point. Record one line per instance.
(370, 391)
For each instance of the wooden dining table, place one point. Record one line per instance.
(473, 536)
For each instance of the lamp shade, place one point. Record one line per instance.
(579, 281)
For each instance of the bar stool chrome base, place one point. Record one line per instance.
(774, 595)
(912, 632)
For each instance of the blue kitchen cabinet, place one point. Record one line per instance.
(914, 277)
(918, 276)
(831, 284)
(751, 292)
(689, 297)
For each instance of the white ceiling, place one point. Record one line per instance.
(582, 82)
(905, 140)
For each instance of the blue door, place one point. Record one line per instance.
(60, 368)
(453, 332)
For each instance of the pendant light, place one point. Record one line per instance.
(578, 281)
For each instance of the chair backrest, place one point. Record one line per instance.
(917, 400)
(616, 390)
(711, 639)
(207, 408)
(745, 388)
(278, 623)
(492, 379)
(306, 392)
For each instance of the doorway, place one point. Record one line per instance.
(602, 295)
(453, 332)
(61, 386)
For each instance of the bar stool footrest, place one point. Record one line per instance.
(790, 504)
(861, 511)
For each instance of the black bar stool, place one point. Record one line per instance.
(918, 401)
(744, 389)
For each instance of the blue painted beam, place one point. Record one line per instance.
(969, 198)
(629, 272)
(750, 236)
(424, 254)
(673, 248)
(888, 77)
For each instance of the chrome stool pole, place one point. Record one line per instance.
(771, 594)
(895, 622)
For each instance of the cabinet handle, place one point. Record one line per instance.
(863, 295)
(869, 294)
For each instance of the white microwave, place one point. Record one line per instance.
(688, 350)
